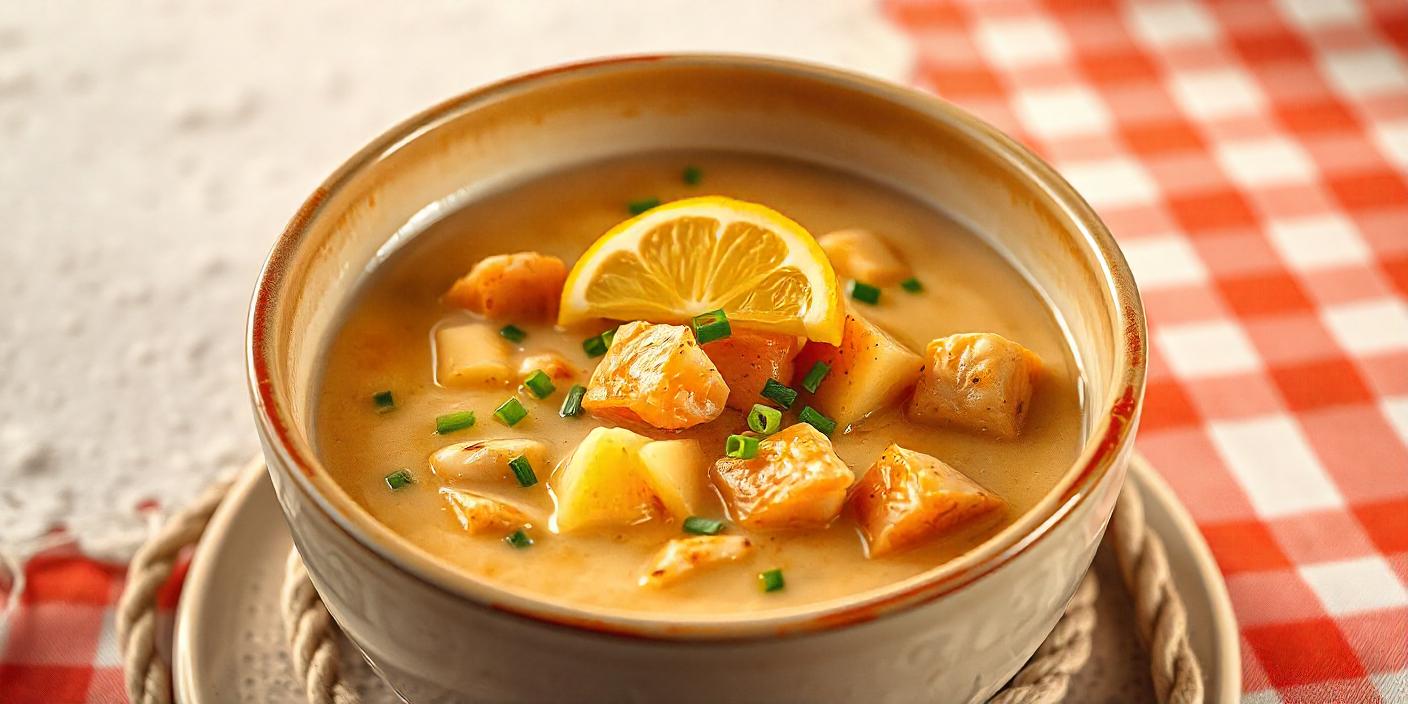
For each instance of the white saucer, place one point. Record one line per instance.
(230, 643)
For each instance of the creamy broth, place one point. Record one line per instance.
(385, 342)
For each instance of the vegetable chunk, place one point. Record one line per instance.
(485, 460)
(977, 381)
(479, 514)
(603, 483)
(677, 472)
(870, 370)
(746, 360)
(796, 481)
(682, 556)
(908, 497)
(522, 286)
(656, 374)
(471, 354)
(864, 256)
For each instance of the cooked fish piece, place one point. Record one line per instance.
(480, 514)
(746, 360)
(656, 374)
(683, 556)
(553, 364)
(486, 460)
(976, 381)
(795, 482)
(525, 286)
(909, 497)
(864, 256)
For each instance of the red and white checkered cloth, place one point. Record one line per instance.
(1252, 159)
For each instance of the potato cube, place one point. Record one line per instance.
(603, 484)
(746, 360)
(486, 460)
(796, 481)
(656, 374)
(864, 256)
(870, 370)
(471, 354)
(480, 514)
(524, 287)
(908, 497)
(683, 556)
(677, 472)
(976, 381)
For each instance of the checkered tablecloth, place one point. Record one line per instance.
(1252, 159)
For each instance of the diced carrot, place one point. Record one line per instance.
(908, 497)
(746, 360)
(796, 481)
(523, 287)
(977, 381)
(869, 370)
(656, 374)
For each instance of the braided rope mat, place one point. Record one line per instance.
(313, 638)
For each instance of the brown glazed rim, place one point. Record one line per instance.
(1112, 433)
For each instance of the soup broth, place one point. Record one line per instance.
(387, 342)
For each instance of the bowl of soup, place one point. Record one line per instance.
(709, 378)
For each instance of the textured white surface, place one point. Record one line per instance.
(151, 152)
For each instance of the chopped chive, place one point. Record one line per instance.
(711, 326)
(399, 479)
(814, 377)
(510, 412)
(692, 175)
(743, 447)
(865, 293)
(595, 346)
(912, 285)
(572, 405)
(700, 525)
(764, 419)
(539, 384)
(771, 580)
(512, 333)
(608, 337)
(639, 206)
(384, 401)
(452, 422)
(523, 471)
(518, 539)
(779, 393)
(814, 418)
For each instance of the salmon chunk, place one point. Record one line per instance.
(656, 374)
(552, 364)
(471, 354)
(682, 556)
(746, 360)
(486, 460)
(976, 381)
(869, 371)
(480, 514)
(796, 481)
(525, 286)
(908, 497)
(864, 256)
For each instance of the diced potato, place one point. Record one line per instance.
(908, 497)
(870, 370)
(486, 460)
(864, 256)
(480, 514)
(676, 471)
(977, 381)
(552, 364)
(796, 481)
(746, 360)
(682, 556)
(602, 484)
(471, 354)
(525, 286)
(656, 374)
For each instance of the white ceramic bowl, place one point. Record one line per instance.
(953, 634)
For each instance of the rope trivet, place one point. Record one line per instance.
(313, 637)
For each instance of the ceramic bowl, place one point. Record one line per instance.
(954, 634)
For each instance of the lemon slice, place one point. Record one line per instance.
(695, 255)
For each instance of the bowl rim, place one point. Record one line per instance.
(1111, 432)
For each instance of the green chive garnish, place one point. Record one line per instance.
(771, 580)
(512, 333)
(510, 412)
(523, 471)
(692, 175)
(453, 422)
(743, 447)
(865, 293)
(639, 206)
(384, 401)
(595, 346)
(700, 525)
(912, 285)
(608, 337)
(764, 419)
(539, 384)
(780, 393)
(814, 377)
(572, 405)
(399, 479)
(518, 539)
(711, 326)
(814, 417)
